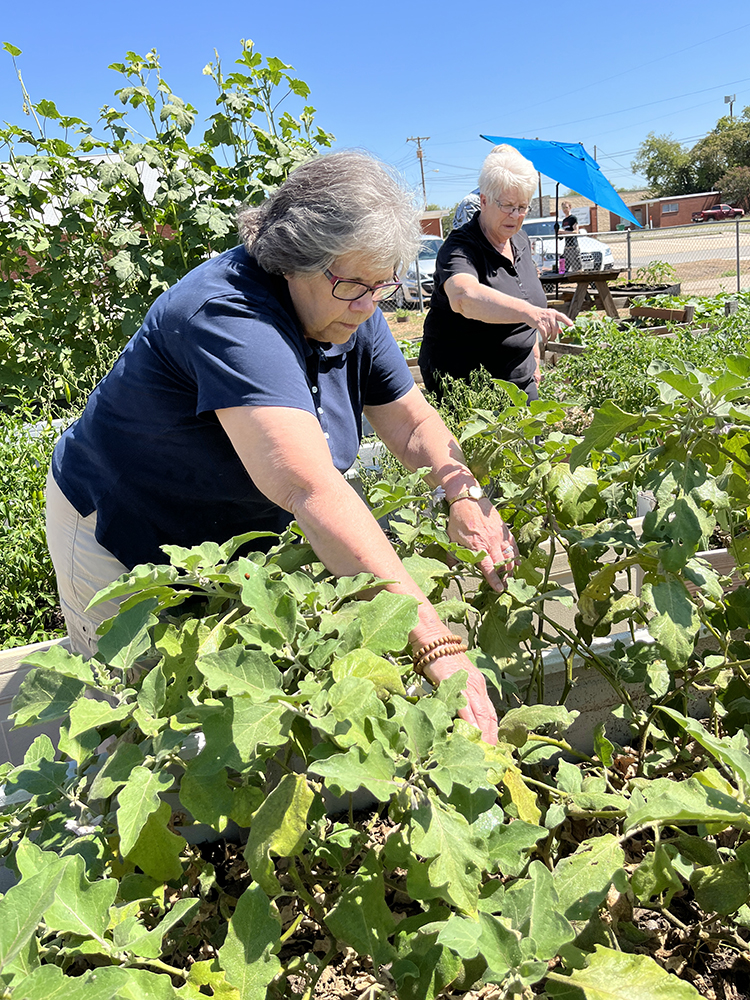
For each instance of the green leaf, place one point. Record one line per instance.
(575, 495)
(242, 732)
(268, 601)
(517, 723)
(44, 696)
(137, 801)
(22, 909)
(685, 803)
(385, 675)
(209, 801)
(279, 827)
(132, 936)
(721, 888)
(372, 769)
(676, 623)
(116, 770)
(241, 671)
(582, 880)
(157, 850)
(615, 975)
(726, 750)
(655, 875)
(532, 905)
(81, 907)
(510, 844)
(12, 49)
(386, 621)
(127, 637)
(58, 658)
(456, 856)
(608, 421)
(523, 798)
(87, 714)
(247, 954)
(360, 917)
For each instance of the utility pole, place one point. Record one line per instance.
(419, 139)
(730, 99)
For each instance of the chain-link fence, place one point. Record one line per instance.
(708, 258)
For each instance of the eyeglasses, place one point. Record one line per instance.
(349, 291)
(512, 209)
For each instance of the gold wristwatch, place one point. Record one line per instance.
(467, 493)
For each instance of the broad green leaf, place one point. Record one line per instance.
(248, 953)
(22, 909)
(655, 875)
(582, 880)
(372, 769)
(107, 983)
(59, 659)
(575, 494)
(615, 975)
(268, 601)
(386, 621)
(137, 801)
(241, 671)
(44, 696)
(459, 761)
(132, 936)
(456, 856)
(157, 850)
(203, 974)
(721, 888)
(608, 421)
(127, 637)
(509, 844)
(675, 625)
(424, 571)
(726, 750)
(242, 732)
(279, 827)
(81, 907)
(532, 905)
(685, 803)
(385, 675)
(209, 801)
(517, 723)
(116, 770)
(87, 714)
(354, 705)
(360, 917)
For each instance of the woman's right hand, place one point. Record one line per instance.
(549, 321)
(479, 710)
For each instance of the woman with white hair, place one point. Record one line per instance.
(238, 406)
(488, 303)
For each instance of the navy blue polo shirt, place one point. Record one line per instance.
(148, 453)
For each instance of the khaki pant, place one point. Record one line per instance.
(83, 568)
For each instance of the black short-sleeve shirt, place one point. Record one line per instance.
(455, 345)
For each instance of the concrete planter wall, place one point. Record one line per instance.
(15, 742)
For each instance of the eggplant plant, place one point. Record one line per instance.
(253, 697)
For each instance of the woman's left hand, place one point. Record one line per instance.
(477, 525)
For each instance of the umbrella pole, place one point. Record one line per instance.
(557, 227)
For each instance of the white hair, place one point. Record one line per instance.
(505, 170)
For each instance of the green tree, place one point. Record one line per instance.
(735, 187)
(666, 164)
(726, 146)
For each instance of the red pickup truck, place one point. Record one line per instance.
(716, 213)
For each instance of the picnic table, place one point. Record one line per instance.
(582, 279)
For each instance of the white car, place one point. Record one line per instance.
(595, 255)
(408, 294)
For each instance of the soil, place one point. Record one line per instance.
(679, 938)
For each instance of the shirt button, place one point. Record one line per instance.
(326, 435)
(315, 388)
(320, 409)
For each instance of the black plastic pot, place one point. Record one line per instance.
(639, 290)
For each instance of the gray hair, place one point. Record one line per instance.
(505, 170)
(329, 206)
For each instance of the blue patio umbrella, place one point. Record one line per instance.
(569, 163)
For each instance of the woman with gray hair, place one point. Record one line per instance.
(238, 406)
(488, 303)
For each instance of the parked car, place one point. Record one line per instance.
(408, 295)
(595, 255)
(716, 213)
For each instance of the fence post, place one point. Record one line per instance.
(630, 269)
(737, 247)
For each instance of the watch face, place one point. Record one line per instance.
(476, 492)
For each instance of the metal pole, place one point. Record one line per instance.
(737, 247)
(419, 139)
(630, 268)
(541, 210)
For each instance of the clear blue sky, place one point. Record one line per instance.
(604, 74)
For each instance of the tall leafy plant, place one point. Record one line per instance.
(95, 226)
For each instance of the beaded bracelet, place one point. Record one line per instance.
(449, 645)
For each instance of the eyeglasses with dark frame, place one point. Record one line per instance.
(348, 290)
